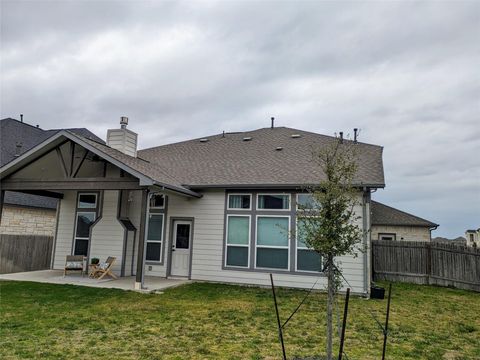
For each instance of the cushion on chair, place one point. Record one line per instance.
(103, 265)
(74, 265)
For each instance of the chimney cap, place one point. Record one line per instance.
(123, 121)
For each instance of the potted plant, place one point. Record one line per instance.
(95, 261)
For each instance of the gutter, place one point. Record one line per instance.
(270, 186)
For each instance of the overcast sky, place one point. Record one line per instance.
(407, 74)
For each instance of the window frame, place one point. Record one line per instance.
(249, 216)
(161, 241)
(156, 211)
(304, 248)
(87, 193)
(287, 216)
(394, 235)
(157, 207)
(85, 210)
(263, 194)
(239, 209)
(296, 202)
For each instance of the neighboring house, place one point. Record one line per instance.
(473, 238)
(23, 213)
(457, 241)
(218, 208)
(389, 223)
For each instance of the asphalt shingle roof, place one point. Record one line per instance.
(13, 131)
(152, 170)
(387, 215)
(229, 160)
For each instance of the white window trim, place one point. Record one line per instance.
(154, 241)
(270, 246)
(392, 235)
(239, 245)
(76, 226)
(302, 248)
(83, 193)
(157, 207)
(239, 209)
(285, 194)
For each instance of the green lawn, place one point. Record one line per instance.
(212, 321)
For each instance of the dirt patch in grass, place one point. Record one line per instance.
(215, 321)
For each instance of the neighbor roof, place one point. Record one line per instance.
(13, 131)
(265, 157)
(387, 215)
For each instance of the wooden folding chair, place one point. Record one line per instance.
(102, 272)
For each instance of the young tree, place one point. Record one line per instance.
(327, 223)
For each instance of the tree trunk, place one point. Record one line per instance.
(330, 299)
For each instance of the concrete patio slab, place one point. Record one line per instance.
(152, 283)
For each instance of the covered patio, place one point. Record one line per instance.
(103, 197)
(151, 283)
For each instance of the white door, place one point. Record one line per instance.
(181, 242)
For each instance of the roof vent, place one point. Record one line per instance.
(204, 140)
(295, 136)
(279, 148)
(18, 149)
(247, 138)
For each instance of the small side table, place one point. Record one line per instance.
(92, 269)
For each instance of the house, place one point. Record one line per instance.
(473, 238)
(389, 223)
(23, 213)
(217, 208)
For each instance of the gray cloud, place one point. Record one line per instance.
(405, 73)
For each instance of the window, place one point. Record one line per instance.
(154, 237)
(87, 201)
(239, 201)
(274, 202)
(238, 240)
(386, 236)
(272, 243)
(305, 202)
(157, 201)
(155, 227)
(84, 219)
(307, 259)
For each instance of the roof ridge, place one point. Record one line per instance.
(252, 132)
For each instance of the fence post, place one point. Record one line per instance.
(429, 261)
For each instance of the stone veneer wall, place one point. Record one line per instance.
(19, 220)
(407, 233)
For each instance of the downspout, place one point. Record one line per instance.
(366, 272)
(54, 246)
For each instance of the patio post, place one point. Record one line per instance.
(141, 241)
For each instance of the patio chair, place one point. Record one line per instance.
(74, 263)
(104, 269)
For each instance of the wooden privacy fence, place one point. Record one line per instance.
(423, 262)
(24, 252)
